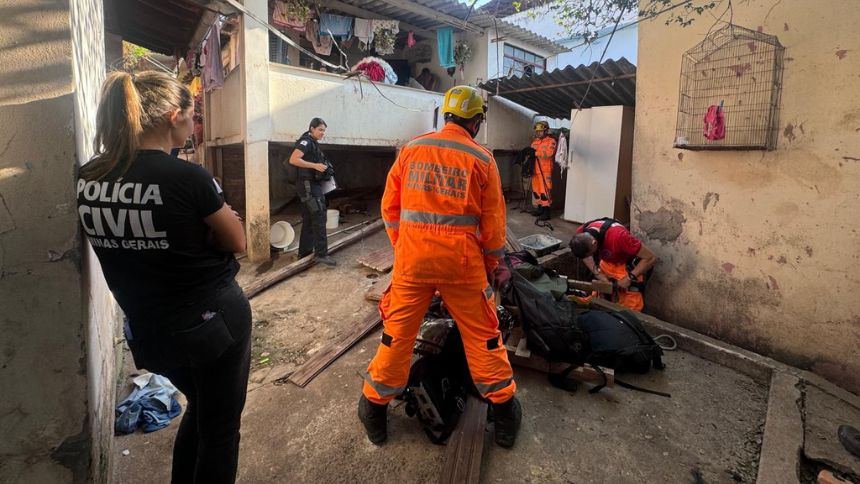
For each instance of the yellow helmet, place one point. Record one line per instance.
(463, 101)
(541, 126)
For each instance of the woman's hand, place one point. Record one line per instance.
(320, 167)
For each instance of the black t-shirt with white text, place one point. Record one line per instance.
(148, 232)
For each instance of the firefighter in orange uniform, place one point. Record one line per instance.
(445, 215)
(544, 146)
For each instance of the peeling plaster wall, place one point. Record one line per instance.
(56, 369)
(760, 249)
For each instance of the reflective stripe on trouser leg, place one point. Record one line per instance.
(402, 309)
(473, 309)
(629, 299)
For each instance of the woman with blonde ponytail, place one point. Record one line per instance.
(165, 240)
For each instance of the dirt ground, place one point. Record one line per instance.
(711, 427)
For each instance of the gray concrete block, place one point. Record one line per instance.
(779, 461)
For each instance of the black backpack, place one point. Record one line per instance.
(526, 158)
(439, 378)
(617, 340)
(549, 326)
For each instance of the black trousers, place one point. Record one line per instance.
(313, 237)
(206, 449)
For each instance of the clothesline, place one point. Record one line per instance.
(238, 6)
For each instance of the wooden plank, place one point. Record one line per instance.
(585, 373)
(466, 445)
(379, 260)
(324, 357)
(375, 292)
(513, 243)
(268, 279)
(553, 255)
(602, 287)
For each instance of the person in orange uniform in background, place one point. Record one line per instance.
(544, 146)
(609, 250)
(445, 215)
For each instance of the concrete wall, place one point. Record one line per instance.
(496, 54)
(625, 43)
(356, 113)
(760, 248)
(225, 106)
(57, 353)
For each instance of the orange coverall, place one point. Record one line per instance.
(444, 212)
(542, 178)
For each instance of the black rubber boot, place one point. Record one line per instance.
(850, 438)
(544, 214)
(507, 417)
(375, 419)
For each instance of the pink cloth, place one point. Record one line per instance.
(715, 123)
(410, 39)
(372, 70)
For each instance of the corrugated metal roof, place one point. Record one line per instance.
(449, 13)
(556, 93)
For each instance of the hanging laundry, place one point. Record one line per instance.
(384, 36)
(281, 18)
(445, 45)
(335, 25)
(363, 31)
(213, 69)
(561, 152)
(392, 25)
(715, 123)
(195, 86)
(322, 45)
(410, 39)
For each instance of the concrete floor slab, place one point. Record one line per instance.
(823, 414)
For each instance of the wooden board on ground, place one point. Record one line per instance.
(379, 260)
(324, 357)
(553, 255)
(586, 373)
(465, 447)
(376, 290)
(602, 287)
(268, 279)
(512, 242)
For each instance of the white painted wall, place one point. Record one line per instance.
(625, 43)
(593, 163)
(356, 113)
(225, 109)
(508, 125)
(496, 52)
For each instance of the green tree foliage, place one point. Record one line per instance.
(585, 18)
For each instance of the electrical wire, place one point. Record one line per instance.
(597, 66)
(360, 77)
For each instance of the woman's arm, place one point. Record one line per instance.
(296, 160)
(227, 229)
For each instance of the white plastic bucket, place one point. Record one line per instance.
(281, 235)
(332, 217)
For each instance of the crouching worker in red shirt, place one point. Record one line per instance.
(611, 252)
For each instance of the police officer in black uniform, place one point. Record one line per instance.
(313, 169)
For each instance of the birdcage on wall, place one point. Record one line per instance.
(730, 92)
